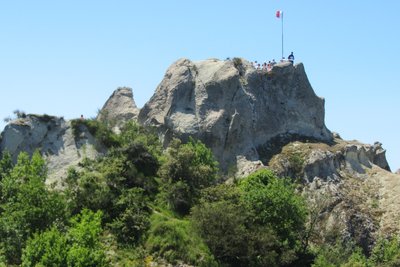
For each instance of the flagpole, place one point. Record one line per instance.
(282, 35)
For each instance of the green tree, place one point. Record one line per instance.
(101, 183)
(146, 136)
(6, 164)
(175, 240)
(133, 219)
(274, 201)
(222, 226)
(224, 222)
(257, 223)
(188, 169)
(49, 248)
(79, 246)
(121, 184)
(100, 130)
(322, 261)
(333, 254)
(84, 236)
(27, 205)
(386, 252)
(356, 259)
(88, 189)
(130, 166)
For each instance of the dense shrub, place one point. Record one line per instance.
(99, 130)
(130, 166)
(133, 216)
(223, 221)
(257, 223)
(6, 165)
(356, 259)
(273, 201)
(49, 248)
(386, 252)
(79, 246)
(174, 240)
(89, 191)
(188, 169)
(146, 136)
(121, 184)
(222, 226)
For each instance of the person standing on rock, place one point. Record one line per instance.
(255, 64)
(291, 58)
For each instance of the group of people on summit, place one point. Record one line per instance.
(268, 66)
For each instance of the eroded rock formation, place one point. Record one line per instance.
(119, 108)
(234, 108)
(54, 138)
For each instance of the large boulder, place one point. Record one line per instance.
(233, 108)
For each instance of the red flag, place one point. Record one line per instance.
(279, 14)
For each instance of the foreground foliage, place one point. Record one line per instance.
(188, 169)
(79, 245)
(139, 204)
(174, 240)
(257, 223)
(27, 205)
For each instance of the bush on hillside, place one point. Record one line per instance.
(174, 240)
(188, 169)
(79, 246)
(99, 130)
(258, 223)
(273, 201)
(133, 216)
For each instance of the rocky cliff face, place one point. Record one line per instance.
(233, 108)
(54, 138)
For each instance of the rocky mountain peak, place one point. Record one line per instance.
(234, 108)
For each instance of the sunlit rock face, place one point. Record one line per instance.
(54, 138)
(234, 108)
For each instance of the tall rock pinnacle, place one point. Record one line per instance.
(120, 107)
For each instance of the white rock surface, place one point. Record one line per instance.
(119, 108)
(54, 138)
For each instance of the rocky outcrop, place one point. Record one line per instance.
(54, 138)
(233, 108)
(349, 182)
(119, 108)
(328, 162)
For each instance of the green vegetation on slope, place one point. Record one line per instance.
(139, 204)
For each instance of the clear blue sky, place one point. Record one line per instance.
(65, 58)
